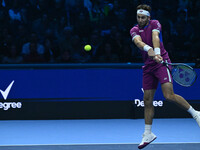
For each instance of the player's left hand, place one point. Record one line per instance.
(158, 58)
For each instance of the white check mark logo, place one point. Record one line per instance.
(6, 92)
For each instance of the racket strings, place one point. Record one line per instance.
(183, 75)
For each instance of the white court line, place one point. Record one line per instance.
(99, 144)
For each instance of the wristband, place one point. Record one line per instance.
(146, 48)
(157, 51)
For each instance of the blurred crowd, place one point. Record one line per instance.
(55, 31)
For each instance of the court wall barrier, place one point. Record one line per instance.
(82, 91)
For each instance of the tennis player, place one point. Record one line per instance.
(148, 38)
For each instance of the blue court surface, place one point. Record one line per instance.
(100, 134)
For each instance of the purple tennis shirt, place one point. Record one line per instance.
(151, 74)
(146, 36)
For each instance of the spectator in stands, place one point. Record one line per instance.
(21, 35)
(5, 45)
(3, 18)
(95, 41)
(64, 38)
(33, 56)
(12, 56)
(126, 53)
(40, 25)
(83, 29)
(184, 35)
(15, 11)
(107, 53)
(93, 21)
(65, 57)
(51, 50)
(96, 13)
(33, 51)
(184, 5)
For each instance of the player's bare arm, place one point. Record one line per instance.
(141, 45)
(156, 45)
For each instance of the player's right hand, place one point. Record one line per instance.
(158, 58)
(151, 53)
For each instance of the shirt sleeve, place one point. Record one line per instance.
(156, 26)
(134, 33)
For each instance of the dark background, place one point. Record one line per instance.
(55, 31)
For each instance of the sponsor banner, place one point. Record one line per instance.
(18, 86)
(140, 103)
(7, 105)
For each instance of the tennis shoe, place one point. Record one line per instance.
(147, 139)
(197, 117)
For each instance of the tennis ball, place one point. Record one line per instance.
(87, 47)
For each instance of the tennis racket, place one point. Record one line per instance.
(182, 74)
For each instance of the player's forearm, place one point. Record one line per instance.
(140, 44)
(146, 48)
(156, 42)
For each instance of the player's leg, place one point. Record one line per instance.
(168, 92)
(150, 83)
(169, 95)
(165, 78)
(149, 108)
(148, 136)
(166, 81)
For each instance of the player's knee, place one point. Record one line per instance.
(148, 102)
(148, 98)
(169, 97)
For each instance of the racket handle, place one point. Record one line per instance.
(164, 63)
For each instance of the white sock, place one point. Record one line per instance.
(147, 129)
(192, 111)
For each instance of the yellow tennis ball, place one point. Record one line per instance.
(87, 47)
